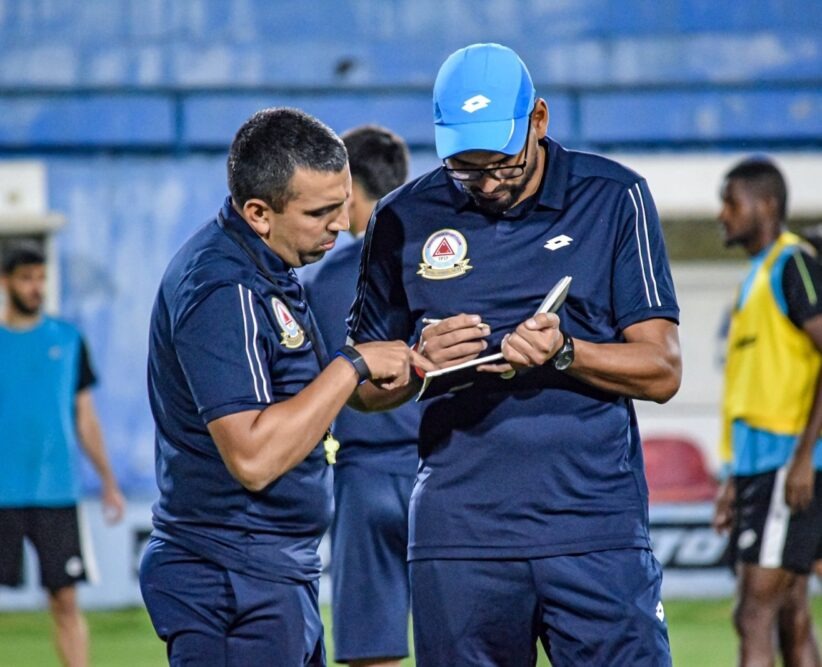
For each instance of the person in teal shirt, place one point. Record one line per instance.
(46, 411)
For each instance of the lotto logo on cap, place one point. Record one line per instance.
(483, 97)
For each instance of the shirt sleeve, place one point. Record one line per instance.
(380, 310)
(802, 286)
(223, 347)
(85, 375)
(642, 286)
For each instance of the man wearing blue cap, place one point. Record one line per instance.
(529, 516)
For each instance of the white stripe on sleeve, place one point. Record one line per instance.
(648, 244)
(256, 349)
(247, 350)
(639, 248)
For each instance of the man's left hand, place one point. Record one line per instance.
(114, 505)
(799, 482)
(534, 342)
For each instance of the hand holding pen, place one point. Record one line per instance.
(453, 340)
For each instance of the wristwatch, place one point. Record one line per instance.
(352, 356)
(564, 357)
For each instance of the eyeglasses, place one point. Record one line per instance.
(501, 173)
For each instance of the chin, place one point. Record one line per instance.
(310, 258)
(495, 206)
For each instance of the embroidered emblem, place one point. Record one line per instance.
(558, 242)
(475, 103)
(444, 255)
(292, 335)
(660, 612)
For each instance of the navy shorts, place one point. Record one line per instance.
(208, 615)
(766, 532)
(369, 569)
(63, 549)
(598, 609)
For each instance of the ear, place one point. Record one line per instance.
(769, 206)
(540, 117)
(259, 216)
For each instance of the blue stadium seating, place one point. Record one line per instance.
(616, 73)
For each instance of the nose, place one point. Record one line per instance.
(722, 216)
(487, 184)
(341, 222)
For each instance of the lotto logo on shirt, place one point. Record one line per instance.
(444, 255)
(292, 336)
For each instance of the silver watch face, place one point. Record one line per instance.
(563, 359)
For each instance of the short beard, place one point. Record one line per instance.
(508, 202)
(21, 307)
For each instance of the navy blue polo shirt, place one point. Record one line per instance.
(385, 441)
(225, 338)
(540, 464)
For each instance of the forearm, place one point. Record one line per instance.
(643, 369)
(370, 398)
(90, 436)
(260, 446)
(810, 434)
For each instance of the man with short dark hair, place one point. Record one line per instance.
(529, 516)
(243, 394)
(772, 417)
(46, 411)
(377, 461)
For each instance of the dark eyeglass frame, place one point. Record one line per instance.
(504, 172)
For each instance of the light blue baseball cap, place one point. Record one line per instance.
(483, 96)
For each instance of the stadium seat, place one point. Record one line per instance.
(677, 471)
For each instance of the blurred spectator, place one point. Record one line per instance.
(772, 415)
(46, 410)
(378, 459)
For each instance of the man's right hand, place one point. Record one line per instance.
(453, 340)
(390, 362)
(724, 509)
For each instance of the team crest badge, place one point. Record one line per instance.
(292, 335)
(444, 255)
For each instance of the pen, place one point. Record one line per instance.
(435, 320)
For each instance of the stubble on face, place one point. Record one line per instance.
(26, 306)
(506, 195)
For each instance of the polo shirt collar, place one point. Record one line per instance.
(554, 183)
(234, 225)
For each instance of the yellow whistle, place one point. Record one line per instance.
(331, 446)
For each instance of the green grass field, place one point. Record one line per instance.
(701, 636)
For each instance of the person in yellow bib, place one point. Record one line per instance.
(771, 499)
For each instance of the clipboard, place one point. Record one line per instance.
(461, 376)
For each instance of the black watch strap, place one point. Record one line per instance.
(350, 354)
